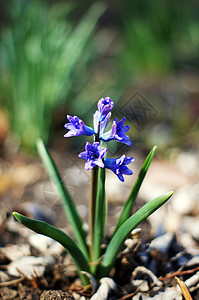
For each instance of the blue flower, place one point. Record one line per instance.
(118, 132)
(118, 166)
(93, 155)
(77, 127)
(104, 106)
(100, 127)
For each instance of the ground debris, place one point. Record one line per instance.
(7, 293)
(144, 274)
(56, 295)
(144, 270)
(30, 266)
(13, 252)
(106, 286)
(183, 289)
(45, 245)
(168, 294)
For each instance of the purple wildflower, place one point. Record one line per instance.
(104, 106)
(118, 132)
(77, 127)
(118, 166)
(93, 155)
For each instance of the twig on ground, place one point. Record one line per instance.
(12, 282)
(178, 273)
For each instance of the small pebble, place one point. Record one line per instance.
(30, 266)
(56, 295)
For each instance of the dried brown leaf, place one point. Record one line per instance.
(184, 289)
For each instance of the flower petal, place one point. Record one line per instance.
(93, 155)
(117, 132)
(120, 176)
(118, 166)
(77, 127)
(104, 106)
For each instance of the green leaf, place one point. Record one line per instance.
(133, 195)
(100, 215)
(119, 237)
(67, 201)
(56, 234)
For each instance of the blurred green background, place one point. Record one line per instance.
(60, 57)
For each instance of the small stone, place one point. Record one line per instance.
(3, 276)
(76, 296)
(186, 240)
(192, 281)
(56, 295)
(192, 163)
(7, 293)
(45, 244)
(191, 225)
(141, 272)
(30, 266)
(14, 252)
(168, 293)
(14, 226)
(141, 284)
(162, 243)
(185, 199)
(106, 285)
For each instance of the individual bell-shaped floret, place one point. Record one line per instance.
(77, 127)
(119, 166)
(93, 155)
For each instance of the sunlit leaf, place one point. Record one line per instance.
(132, 197)
(119, 237)
(67, 201)
(59, 236)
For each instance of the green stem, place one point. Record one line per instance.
(100, 218)
(94, 180)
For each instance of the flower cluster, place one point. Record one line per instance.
(94, 154)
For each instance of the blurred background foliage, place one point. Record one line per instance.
(60, 57)
(159, 36)
(43, 55)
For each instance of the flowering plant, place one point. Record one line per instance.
(87, 254)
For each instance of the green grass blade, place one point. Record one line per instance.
(67, 201)
(119, 237)
(100, 215)
(133, 195)
(59, 236)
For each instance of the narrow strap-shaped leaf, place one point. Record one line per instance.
(119, 237)
(132, 197)
(100, 215)
(67, 201)
(59, 236)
